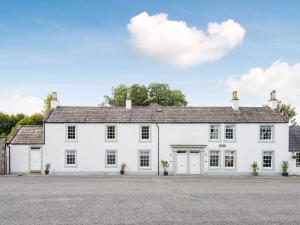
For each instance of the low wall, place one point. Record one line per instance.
(2, 156)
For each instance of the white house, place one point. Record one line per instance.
(194, 140)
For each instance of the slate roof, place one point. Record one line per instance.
(294, 139)
(169, 114)
(28, 134)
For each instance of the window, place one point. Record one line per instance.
(214, 159)
(268, 160)
(145, 133)
(266, 132)
(71, 132)
(144, 159)
(111, 158)
(214, 132)
(229, 132)
(229, 159)
(298, 159)
(111, 132)
(70, 158)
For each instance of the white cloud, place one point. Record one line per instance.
(177, 44)
(280, 76)
(20, 104)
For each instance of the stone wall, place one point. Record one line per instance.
(2, 156)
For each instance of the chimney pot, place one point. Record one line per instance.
(273, 102)
(235, 100)
(128, 100)
(54, 102)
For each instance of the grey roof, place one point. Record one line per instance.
(294, 139)
(28, 134)
(168, 114)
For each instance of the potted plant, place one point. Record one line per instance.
(255, 168)
(165, 165)
(122, 171)
(47, 168)
(284, 167)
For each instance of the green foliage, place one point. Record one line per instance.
(142, 95)
(164, 164)
(285, 166)
(288, 112)
(255, 167)
(47, 104)
(48, 165)
(123, 166)
(7, 122)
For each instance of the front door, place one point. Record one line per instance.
(181, 162)
(194, 162)
(35, 159)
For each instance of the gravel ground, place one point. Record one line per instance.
(44, 200)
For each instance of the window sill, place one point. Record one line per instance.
(111, 166)
(145, 168)
(111, 140)
(266, 141)
(71, 166)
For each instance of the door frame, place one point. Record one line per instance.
(29, 158)
(188, 148)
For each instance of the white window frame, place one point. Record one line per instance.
(233, 135)
(219, 160)
(150, 133)
(116, 159)
(297, 154)
(76, 159)
(272, 133)
(67, 132)
(116, 133)
(234, 160)
(219, 133)
(272, 161)
(139, 160)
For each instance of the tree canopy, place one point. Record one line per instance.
(289, 112)
(142, 95)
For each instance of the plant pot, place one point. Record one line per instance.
(122, 172)
(254, 174)
(166, 173)
(285, 174)
(46, 172)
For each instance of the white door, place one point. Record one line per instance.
(35, 159)
(181, 164)
(195, 162)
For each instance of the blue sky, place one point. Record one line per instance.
(82, 48)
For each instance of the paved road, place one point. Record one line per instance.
(43, 200)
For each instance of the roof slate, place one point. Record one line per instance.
(167, 114)
(28, 134)
(294, 139)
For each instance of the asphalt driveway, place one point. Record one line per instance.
(149, 200)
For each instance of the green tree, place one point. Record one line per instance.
(288, 111)
(142, 95)
(7, 122)
(47, 104)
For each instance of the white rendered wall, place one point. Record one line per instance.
(91, 146)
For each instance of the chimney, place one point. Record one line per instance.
(128, 100)
(273, 102)
(54, 102)
(235, 100)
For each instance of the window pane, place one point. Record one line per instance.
(111, 130)
(266, 132)
(71, 132)
(111, 158)
(144, 159)
(145, 135)
(229, 132)
(214, 159)
(267, 160)
(298, 159)
(71, 158)
(214, 132)
(229, 159)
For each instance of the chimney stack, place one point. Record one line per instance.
(235, 101)
(54, 102)
(128, 100)
(273, 102)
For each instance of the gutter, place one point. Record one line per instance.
(8, 159)
(157, 148)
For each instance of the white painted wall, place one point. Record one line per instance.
(91, 146)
